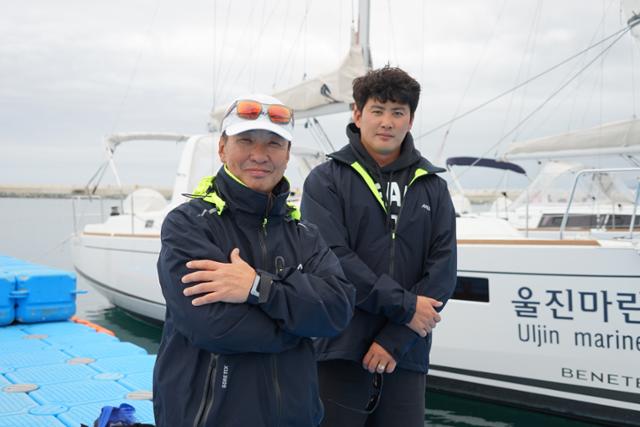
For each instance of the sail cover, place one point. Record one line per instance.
(328, 94)
(484, 162)
(609, 139)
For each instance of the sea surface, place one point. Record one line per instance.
(39, 230)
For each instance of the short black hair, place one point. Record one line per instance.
(387, 84)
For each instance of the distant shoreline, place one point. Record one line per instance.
(68, 192)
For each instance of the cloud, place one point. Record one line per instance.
(74, 71)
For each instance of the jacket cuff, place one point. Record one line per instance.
(399, 304)
(397, 340)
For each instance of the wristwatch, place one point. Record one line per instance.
(254, 288)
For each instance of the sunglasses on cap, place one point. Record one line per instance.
(251, 110)
(374, 398)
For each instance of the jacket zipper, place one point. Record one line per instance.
(392, 255)
(262, 237)
(276, 386)
(207, 397)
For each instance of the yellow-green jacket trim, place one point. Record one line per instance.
(370, 183)
(202, 191)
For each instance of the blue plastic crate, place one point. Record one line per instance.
(44, 295)
(7, 306)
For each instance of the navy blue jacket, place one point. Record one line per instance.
(389, 265)
(248, 364)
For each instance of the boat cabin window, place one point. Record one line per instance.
(472, 289)
(574, 220)
(622, 221)
(588, 221)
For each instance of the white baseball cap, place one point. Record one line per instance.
(232, 124)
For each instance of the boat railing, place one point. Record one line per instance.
(585, 172)
(77, 217)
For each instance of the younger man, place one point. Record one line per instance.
(389, 218)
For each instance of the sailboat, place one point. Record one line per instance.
(532, 322)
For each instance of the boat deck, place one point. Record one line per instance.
(63, 373)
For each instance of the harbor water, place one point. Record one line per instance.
(39, 230)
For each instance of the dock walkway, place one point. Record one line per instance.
(63, 373)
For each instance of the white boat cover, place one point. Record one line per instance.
(328, 94)
(609, 139)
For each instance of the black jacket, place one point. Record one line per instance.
(248, 364)
(388, 264)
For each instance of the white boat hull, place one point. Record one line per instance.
(580, 359)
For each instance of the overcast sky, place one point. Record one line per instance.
(73, 71)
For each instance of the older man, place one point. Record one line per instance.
(247, 284)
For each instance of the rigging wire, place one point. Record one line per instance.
(256, 47)
(213, 58)
(295, 43)
(575, 99)
(305, 36)
(574, 90)
(542, 73)
(237, 51)
(134, 72)
(553, 94)
(470, 81)
(391, 46)
(279, 59)
(223, 44)
(255, 44)
(422, 56)
(520, 68)
(534, 40)
(633, 80)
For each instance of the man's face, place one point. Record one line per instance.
(383, 126)
(257, 157)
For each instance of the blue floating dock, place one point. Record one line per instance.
(61, 373)
(71, 372)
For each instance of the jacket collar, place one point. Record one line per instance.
(225, 191)
(355, 152)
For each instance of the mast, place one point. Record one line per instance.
(364, 9)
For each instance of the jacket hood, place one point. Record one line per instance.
(409, 157)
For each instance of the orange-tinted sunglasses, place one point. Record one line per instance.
(251, 110)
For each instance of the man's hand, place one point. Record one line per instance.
(378, 360)
(425, 317)
(221, 282)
